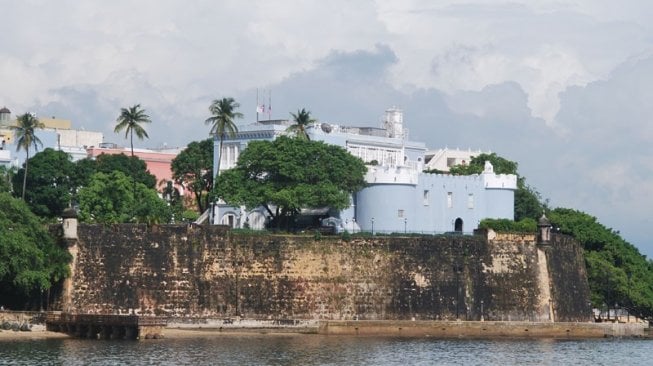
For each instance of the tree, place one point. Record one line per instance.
(30, 260)
(288, 174)
(6, 177)
(130, 120)
(302, 120)
(49, 187)
(25, 130)
(617, 272)
(130, 165)
(107, 199)
(193, 170)
(223, 114)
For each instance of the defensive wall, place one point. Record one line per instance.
(190, 272)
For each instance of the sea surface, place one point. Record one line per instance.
(326, 350)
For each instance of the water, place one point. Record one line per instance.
(325, 350)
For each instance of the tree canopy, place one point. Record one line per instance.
(193, 170)
(109, 198)
(288, 174)
(223, 115)
(618, 274)
(30, 260)
(49, 186)
(301, 120)
(131, 120)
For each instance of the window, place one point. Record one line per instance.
(470, 201)
(400, 213)
(426, 197)
(451, 162)
(449, 199)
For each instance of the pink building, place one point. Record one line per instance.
(158, 162)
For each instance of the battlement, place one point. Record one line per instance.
(391, 175)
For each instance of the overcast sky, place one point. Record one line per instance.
(565, 88)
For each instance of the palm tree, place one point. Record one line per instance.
(302, 119)
(223, 113)
(130, 120)
(25, 128)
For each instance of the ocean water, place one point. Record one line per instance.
(326, 350)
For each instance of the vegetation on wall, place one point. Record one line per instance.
(526, 225)
(619, 275)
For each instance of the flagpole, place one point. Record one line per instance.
(270, 104)
(256, 105)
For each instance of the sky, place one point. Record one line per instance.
(564, 88)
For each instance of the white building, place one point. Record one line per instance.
(399, 197)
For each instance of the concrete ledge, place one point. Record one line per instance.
(477, 329)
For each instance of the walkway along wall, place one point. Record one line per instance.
(188, 271)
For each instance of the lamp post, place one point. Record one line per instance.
(372, 226)
(405, 224)
(482, 317)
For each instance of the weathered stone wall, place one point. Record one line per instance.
(211, 272)
(568, 276)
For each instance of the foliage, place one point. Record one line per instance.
(526, 225)
(30, 261)
(130, 120)
(288, 174)
(6, 177)
(301, 120)
(477, 164)
(223, 115)
(49, 185)
(190, 215)
(109, 199)
(129, 165)
(617, 271)
(193, 170)
(25, 130)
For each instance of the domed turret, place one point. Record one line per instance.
(5, 116)
(543, 230)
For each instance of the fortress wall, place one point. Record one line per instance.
(210, 272)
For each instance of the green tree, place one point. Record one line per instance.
(30, 260)
(25, 130)
(223, 113)
(290, 174)
(49, 187)
(130, 120)
(617, 272)
(193, 170)
(108, 199)
(302, 120)
(6, 178)
(129, 165)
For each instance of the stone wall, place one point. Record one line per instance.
(186, 271)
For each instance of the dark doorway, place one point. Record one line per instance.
(458, 226)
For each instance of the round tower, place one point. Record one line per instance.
(393, 122)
